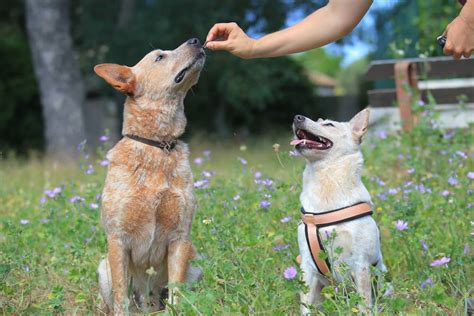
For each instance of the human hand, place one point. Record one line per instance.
(460, 38)
(230, 37)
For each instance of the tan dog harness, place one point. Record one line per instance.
(313, 222)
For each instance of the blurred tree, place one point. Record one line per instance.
(58, 75)
(21, 124)
(409, 28)
(320, 60)
(232, 93)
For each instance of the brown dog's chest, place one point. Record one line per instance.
(146, 187)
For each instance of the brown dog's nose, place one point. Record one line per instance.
(194, 41)
(299, 118)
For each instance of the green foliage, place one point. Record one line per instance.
(48, 263)
(319, 60)
(410, 28)
(21, 124)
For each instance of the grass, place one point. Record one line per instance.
(49, 251)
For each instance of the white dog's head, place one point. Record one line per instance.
(326, 139)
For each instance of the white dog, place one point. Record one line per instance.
(334, 198)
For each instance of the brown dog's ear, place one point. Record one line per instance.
(359, 124)
(119, 77)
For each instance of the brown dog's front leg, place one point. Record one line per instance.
(179, 254)
(118, 260)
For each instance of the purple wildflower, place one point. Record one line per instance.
(75, 199)
(411, 170)
(201, 184)
(382, 134)
(94, 206)
(267, 182)
(285, 219)
(207, 153)
(289, 273)
(449, 134)
(423, 244)
(400, 157)
(407, 184)
(461, 154)
(421, 188)
(90, 169)
(445, 193)
(243, 161)
(52, 193)
(24, 221)
(401, 225)
(265, 204)
(44, 220)
(392, 191)
(236, 198)
(470, 175)
(81, 145)
(452, 181)
(43, 200)
(98, 197)
(421, 102)
(258, 175)
(382, 196)
(440, 262)
(426, 282)
(207, 174)
(466, 249)
(388, 292)
(104, 163)
(198, 161)
(104, 138)
(381, 183)
(280, 247)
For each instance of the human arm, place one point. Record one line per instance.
(460, 33)
(328, 24)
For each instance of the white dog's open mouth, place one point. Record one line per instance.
(306, 140)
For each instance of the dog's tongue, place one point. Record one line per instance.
(295, 142)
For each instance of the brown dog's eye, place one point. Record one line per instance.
(159, 57)
(329, 124)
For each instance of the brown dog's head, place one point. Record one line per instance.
(158, 73)
(156, 87)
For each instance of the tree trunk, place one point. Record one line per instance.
(58, 75)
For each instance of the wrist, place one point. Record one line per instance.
(467, 20)
(254, 48)
(467, 13)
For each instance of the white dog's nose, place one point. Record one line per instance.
(299, 118)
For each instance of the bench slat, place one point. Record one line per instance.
(435, 66)
(387, 97)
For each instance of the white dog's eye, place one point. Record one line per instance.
(329, 124)
(159, 57)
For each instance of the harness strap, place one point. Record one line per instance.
(314, 221)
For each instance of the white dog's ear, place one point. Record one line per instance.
(359, 124)
(119, 77)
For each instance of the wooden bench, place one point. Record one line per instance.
(407, 91)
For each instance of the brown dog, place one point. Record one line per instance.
(148, 201)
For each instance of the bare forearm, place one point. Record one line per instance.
(325, 25)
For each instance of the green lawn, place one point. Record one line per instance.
(50, 248)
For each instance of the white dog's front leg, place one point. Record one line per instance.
(313, 296)
(363, 286)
